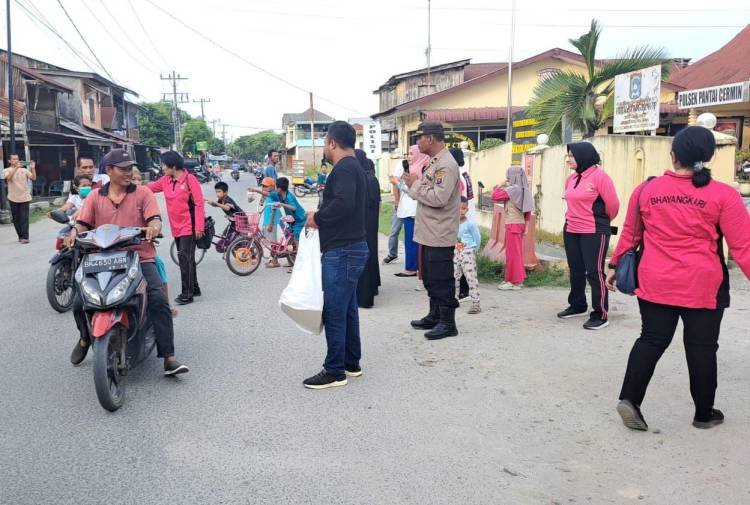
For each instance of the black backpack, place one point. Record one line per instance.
(209, 230)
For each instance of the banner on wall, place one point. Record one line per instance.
(637, 100)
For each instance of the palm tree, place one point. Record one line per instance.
(585, 102)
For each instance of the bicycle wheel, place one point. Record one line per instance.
(199, 254)
(243, 256)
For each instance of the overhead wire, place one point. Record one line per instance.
(122, 46)
(148, 37)
(127, 36)
(40, 19)
(91, 50)
(289, 83)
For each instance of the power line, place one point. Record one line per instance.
(120, 44)
(245, 60)
(127, 36)
(148, 37)
(40, 19)
(59, 2)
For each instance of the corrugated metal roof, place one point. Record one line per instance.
(727, 65)
(292, 117)
(36, 75)
(475, 70)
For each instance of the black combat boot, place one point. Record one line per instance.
(429, 321)
(446, 327)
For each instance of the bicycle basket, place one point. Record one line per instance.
(247, 223)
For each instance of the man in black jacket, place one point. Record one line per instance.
(341, 221)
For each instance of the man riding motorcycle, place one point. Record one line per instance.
(122, 203)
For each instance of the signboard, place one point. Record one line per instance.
(201, 146)
(524, 132)
(715, 95)
(637, 100)
(372, 142)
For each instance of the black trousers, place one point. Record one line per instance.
(20, 214)
(463, 287)
(586, 253)
(437, 275)
(701, 340)
(159, 313)
(186, 257)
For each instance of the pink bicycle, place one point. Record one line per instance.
(246, 252)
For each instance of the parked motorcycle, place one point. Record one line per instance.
(309, 187)
(258, 175)
(61, 288)
(113, 289)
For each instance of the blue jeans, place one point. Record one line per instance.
(341, 270)
(411, 262)
(396, 224)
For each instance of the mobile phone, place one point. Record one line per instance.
(405, 164)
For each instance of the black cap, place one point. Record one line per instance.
(430, 128)
(118, 158)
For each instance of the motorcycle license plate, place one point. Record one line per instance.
(95, 263)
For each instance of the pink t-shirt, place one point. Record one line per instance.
(177, 194)
(683, 258)
(592, 202)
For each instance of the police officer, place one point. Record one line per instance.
(438, 194)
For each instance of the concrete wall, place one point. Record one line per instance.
(628, 159)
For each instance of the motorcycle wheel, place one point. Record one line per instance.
(61, 289)
(109, 361)
(299, 191)
(199, 254)
(244, 256)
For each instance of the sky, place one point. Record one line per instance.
(258, 60)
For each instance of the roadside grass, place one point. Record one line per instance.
(37, 215)
(489, 271)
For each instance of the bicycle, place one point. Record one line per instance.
(222, 244)
(245, 248)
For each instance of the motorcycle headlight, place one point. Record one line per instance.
(91, 293)
(118, 292)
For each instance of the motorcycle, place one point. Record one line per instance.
(258, 175)
(236, 175)
(308, 187)
(113, 290)
(61, 288)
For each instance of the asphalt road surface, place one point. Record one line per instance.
(517, 410)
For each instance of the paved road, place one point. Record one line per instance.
(519, 409)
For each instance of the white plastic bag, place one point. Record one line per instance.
(302, 299)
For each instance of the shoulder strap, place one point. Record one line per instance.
(191, 202)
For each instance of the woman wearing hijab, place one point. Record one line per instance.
(680, 221)
(367, 288)
(407, 210)
(519, 205)
(592, 205)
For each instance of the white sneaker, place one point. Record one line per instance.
(507, 286)
(420, 287)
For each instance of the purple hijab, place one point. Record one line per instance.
(518, 190)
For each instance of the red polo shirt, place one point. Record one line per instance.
(137, 209)
(181, 195)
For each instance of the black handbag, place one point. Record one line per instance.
(209, 226)
(626, 271)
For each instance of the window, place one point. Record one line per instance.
(92, 109)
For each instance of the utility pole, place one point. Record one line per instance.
(224, 136)
(509, 113)
(213, 125)
(4, 214)
(202, 101)
(312, 129)
(177, 98)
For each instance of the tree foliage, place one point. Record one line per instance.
(195, 130)
(255, 147)
(489, 143)
(155, 123)
(586, 100)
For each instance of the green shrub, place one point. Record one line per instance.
(488, 143)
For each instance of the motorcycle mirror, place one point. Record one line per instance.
(59, 217)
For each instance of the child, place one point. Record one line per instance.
(160, 266)
(225, 203)
(465, 257)
(82, 188)
(270, 216)
(323, 175)
(290, 203)
(519, 204)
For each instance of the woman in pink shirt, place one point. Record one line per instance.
(681, 220)
(187, 216)
(592, 204)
